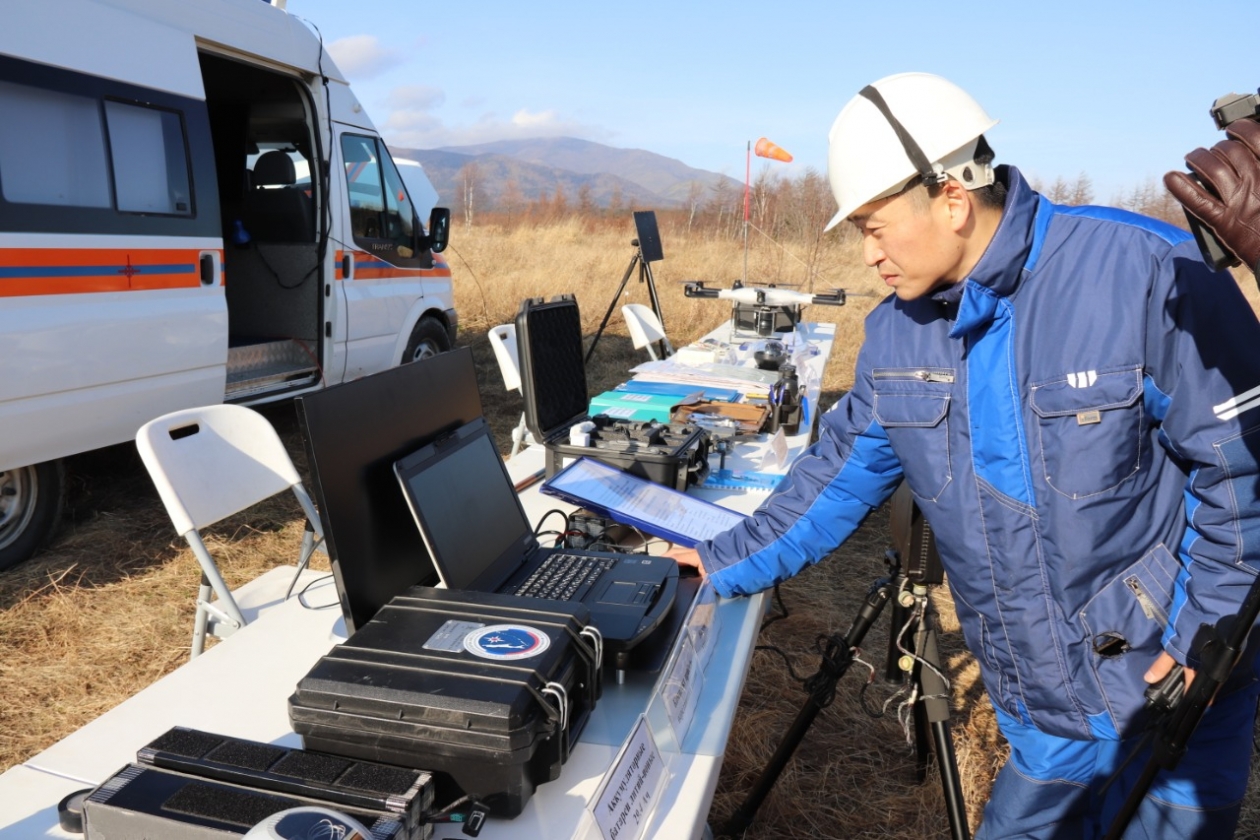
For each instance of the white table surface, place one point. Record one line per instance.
(240, 687)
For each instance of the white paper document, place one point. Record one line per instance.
(656, 509)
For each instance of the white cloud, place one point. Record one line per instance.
(361, 57)
(417, 128)
(415, 97)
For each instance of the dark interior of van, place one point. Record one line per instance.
(262, 125)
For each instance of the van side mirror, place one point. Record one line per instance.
(439, 229)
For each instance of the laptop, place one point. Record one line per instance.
(480, 539)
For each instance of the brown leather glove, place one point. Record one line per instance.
(1231, 170)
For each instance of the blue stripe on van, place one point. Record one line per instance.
(23, 272)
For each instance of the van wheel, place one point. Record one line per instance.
(427, 339)
(31, 499)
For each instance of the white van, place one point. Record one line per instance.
(193, 208)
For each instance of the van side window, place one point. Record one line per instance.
(382, 218)
(55, 150)
(52, 148)
(150, 165)
(81, 153)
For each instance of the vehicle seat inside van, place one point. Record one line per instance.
(274, 210)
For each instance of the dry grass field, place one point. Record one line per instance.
(107, 609)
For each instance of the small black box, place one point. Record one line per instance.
(764, 321)
(490, 690)
(553, 382)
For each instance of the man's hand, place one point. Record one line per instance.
(1231, 169)
(1160, 668)
(687, 557)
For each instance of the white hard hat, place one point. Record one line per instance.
(901, 127)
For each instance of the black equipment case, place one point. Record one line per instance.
(338, 782)
(142, 803)
(487, 691)
(553, 383)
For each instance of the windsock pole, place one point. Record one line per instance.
(747, 187)
(765, 149)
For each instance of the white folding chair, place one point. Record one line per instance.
(209, 463)
(646, 330)
(503, 340)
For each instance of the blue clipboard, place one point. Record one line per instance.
(652, 508)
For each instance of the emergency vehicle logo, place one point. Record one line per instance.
(506, 641)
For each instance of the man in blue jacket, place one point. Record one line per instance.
(1074, 400)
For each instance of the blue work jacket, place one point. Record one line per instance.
(1078, 422)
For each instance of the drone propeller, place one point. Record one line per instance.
(764, 296)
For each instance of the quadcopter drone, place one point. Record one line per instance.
(763, 310)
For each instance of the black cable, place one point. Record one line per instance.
(783, 610)
(301, 596)
(546, 516)
(786, 661)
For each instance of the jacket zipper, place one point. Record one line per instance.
(921, 375)
(1149, 607)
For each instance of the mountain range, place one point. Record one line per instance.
(541, 165)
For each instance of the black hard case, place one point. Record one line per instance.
(495, 729)
(337, 781)
(147, 803)
(553, 383)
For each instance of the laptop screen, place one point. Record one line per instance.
(466, 508)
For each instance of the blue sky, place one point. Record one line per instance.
(1117, 89)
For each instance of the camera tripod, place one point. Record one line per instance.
(913, 656)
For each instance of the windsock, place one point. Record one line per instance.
(766, 149)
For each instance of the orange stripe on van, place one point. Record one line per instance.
(368, 267)
(45, 271)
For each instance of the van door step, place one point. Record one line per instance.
(262, 366)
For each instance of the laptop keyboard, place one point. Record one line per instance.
(561, 576)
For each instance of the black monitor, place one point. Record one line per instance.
(354, 432)
(649, 236)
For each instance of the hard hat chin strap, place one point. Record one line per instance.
(932, 175)
(969, 166)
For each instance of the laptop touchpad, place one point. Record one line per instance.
(620, 592)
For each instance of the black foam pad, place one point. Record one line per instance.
(224, 804)
(313, 767)
(187, 742)
(247, 754)
(380, 778)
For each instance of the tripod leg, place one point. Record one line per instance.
(821, 693)
(625, 278)
(645, 274)
(935, 714)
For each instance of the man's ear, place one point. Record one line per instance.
(957, 205)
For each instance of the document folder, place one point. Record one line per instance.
(653, 508)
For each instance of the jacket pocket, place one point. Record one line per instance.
(1123, 624)
(912, 406)
(1090, 435)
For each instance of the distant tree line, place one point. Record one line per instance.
(783, 209)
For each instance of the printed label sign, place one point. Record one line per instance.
(702, 623)
(632, 787)
(682, 689)
(506, 641)
(450, 636)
